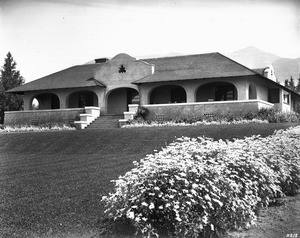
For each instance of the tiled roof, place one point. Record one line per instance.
(73, 77)
(212, 65)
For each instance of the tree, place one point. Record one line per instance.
(298, 85)
(292, 84)
(286, 83)
(10, 78)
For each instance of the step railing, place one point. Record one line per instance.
(91, 114)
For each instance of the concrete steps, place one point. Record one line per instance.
(105, 122)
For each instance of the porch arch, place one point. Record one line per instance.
(44, 101)
(81, 99)
(167, 94)
(117, 99)
(216, 91)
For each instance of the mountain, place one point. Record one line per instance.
(253, 57)
(285, 68)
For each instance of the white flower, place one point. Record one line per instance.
(195, 185)
(151, 206)
(207, 197)
(130, 214)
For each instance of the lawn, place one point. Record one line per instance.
(51, 183)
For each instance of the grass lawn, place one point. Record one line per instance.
(51, 183)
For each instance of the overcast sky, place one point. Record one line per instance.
(46, 36)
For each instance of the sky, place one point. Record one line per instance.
(46, 36)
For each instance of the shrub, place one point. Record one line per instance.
(268, 114)
(141, 113)
(274, 116)
(200, 187)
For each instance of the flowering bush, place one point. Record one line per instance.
(142, 123)
(272, 115)
(200, 187)
(43, 127)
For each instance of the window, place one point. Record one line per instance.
(286, 98)
(273, 95)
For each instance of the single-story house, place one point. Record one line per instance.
(170, 86)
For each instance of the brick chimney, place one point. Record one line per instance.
(101, 60)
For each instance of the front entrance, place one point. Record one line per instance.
(118, 100)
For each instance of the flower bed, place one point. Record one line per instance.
(140, 123)
(44, 127)
(200, 187)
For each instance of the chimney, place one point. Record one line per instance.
(101, 60)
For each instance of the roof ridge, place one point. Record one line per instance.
(256, 73)
(238, 63)
(179, 56)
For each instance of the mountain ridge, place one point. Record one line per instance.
(252, 57)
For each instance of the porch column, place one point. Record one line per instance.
(190, 93)
(242, 90)
(102, 101)
(62, 99)
(144, 94)
(26, 100)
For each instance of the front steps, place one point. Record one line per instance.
(105, 122)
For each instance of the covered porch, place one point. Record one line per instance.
(180, 110)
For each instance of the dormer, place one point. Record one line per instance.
(270, 73)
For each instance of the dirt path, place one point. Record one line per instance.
(276, 222)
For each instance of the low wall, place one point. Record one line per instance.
(42, 116)
(236, 108)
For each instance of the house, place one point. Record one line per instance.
(170, 86)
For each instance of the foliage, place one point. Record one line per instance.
(275, 116)
(42, 127)
(197, 187)
(10, 78)
(141, 113)
(290, 83)
(142, 123)
(298, 85)
(264, 115)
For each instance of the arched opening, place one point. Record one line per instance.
(252, 91)
(168, 94)
(82, 99)
(218, 91)
(118, 100)
(45, 101)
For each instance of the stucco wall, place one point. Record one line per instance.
(109, 74)
(191, 87)
(237, 108)
(42, 116)
(63, 95)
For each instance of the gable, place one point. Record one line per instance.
(122, 69)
